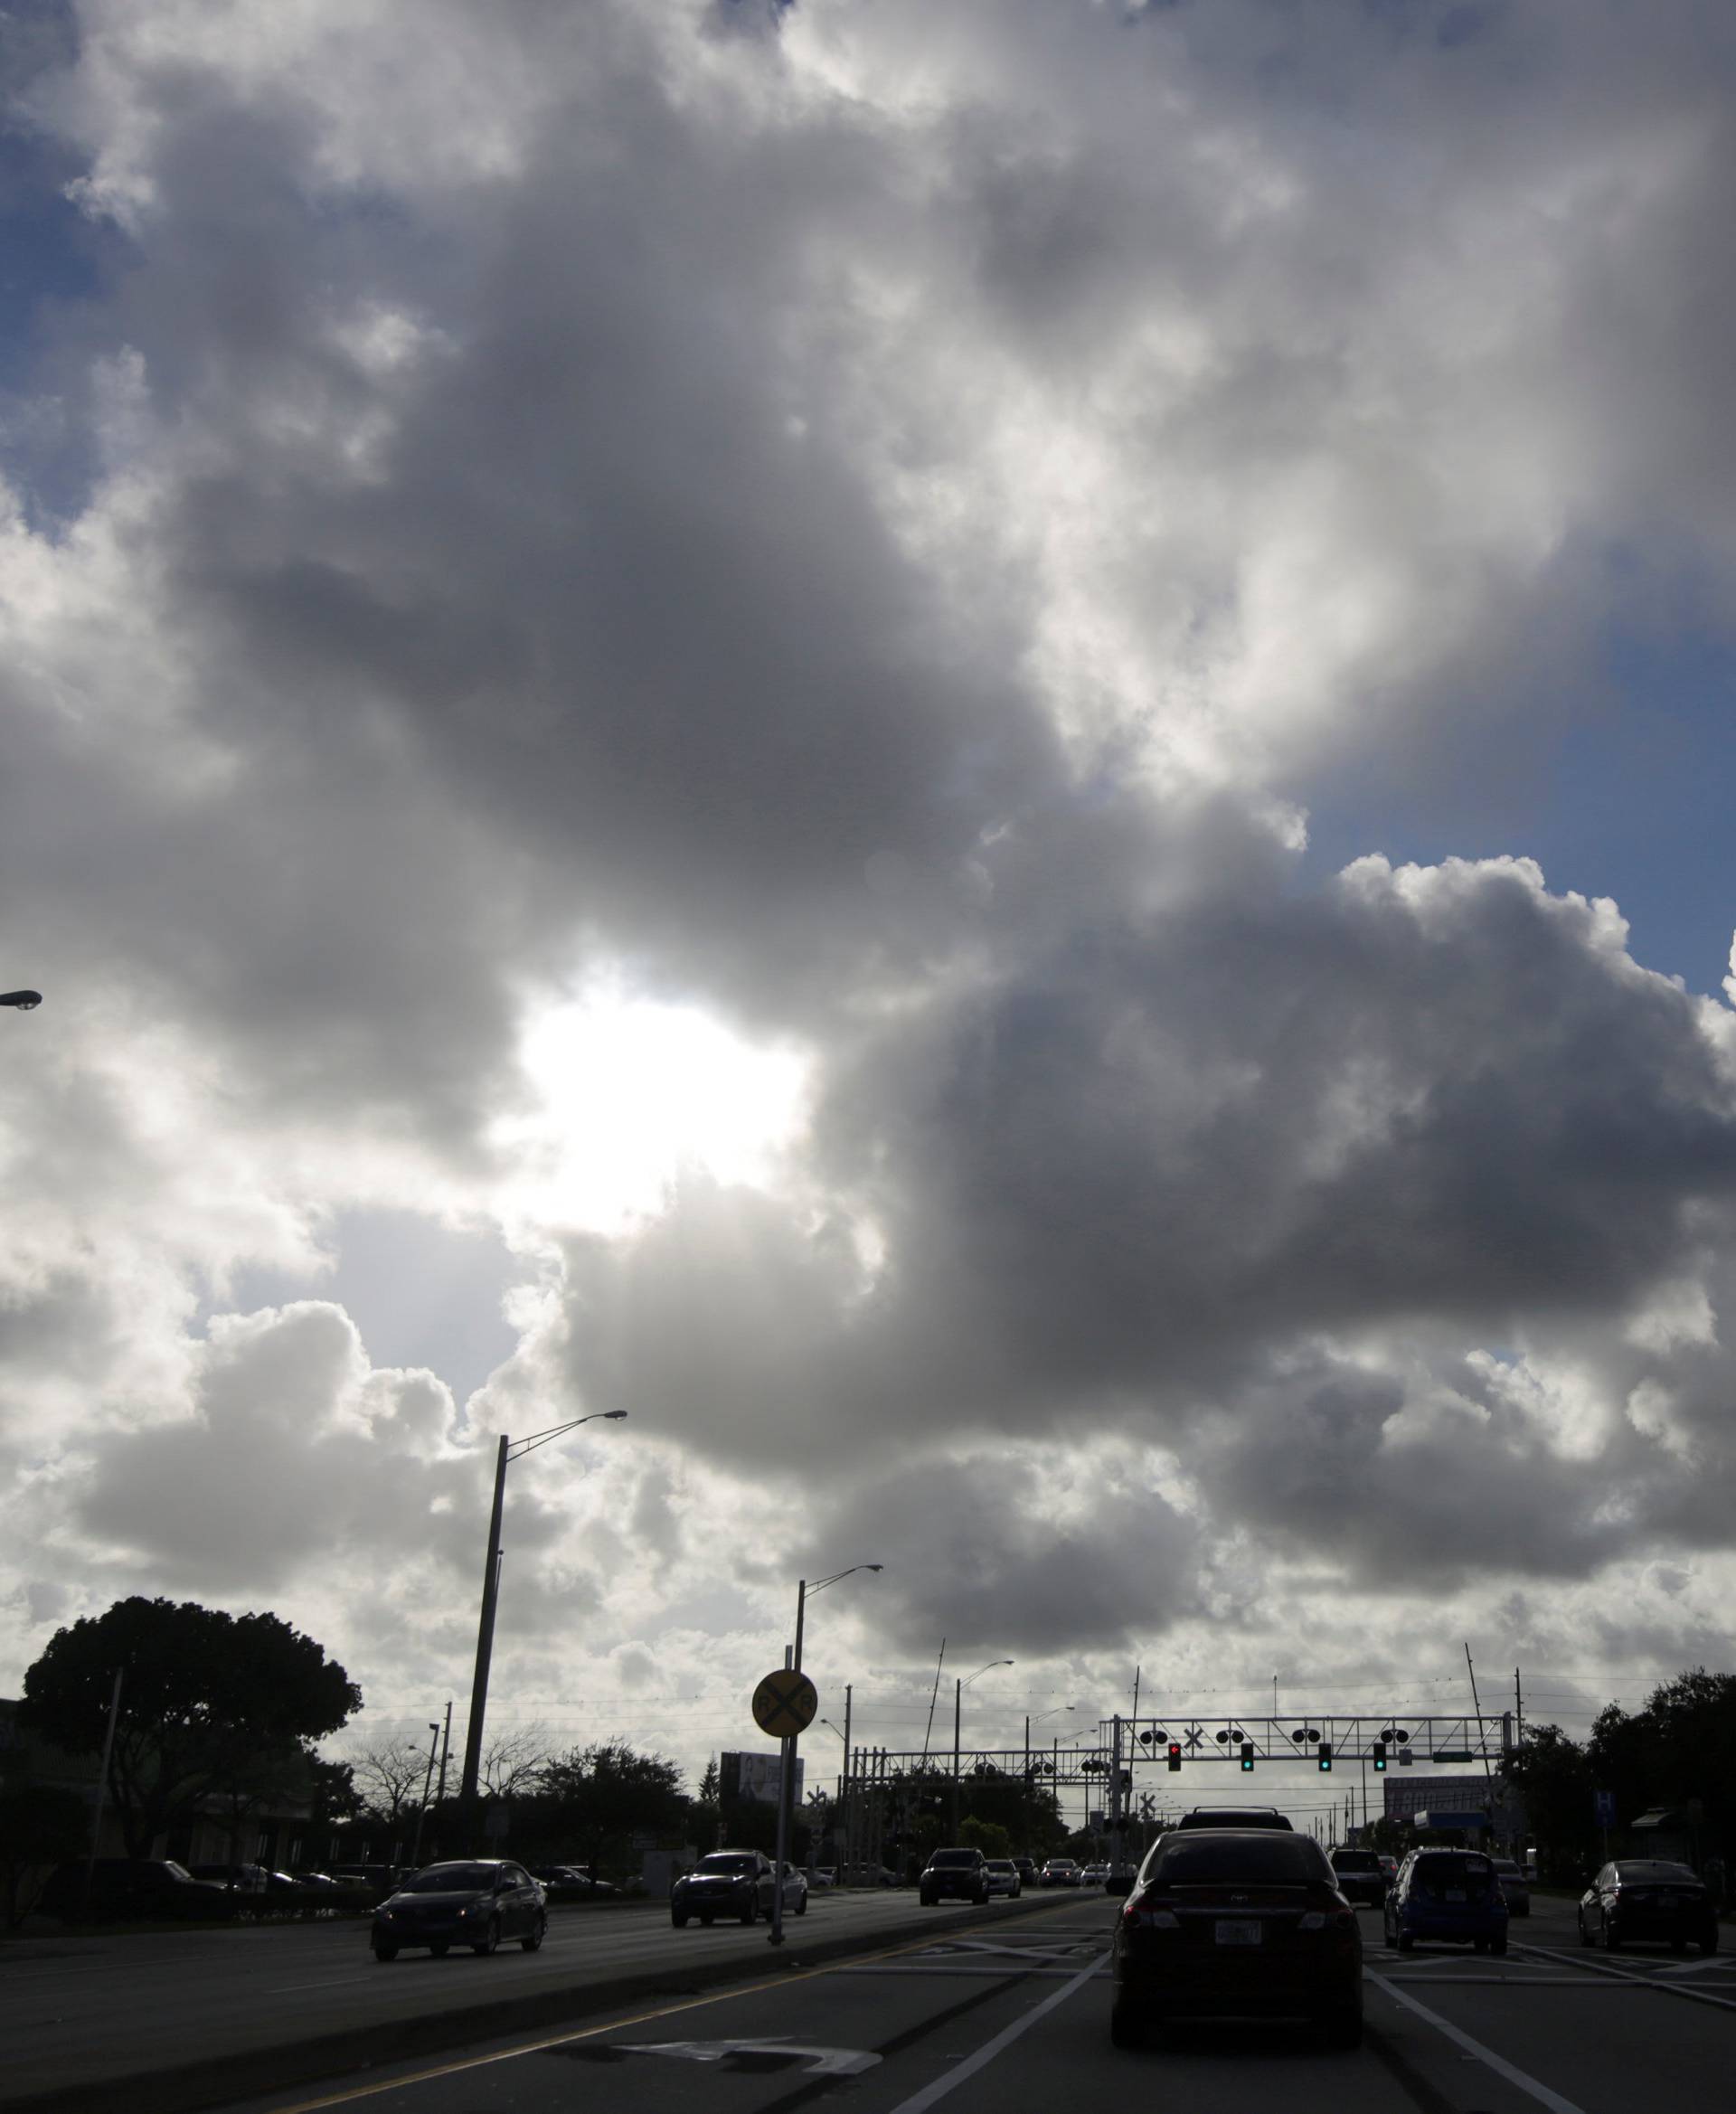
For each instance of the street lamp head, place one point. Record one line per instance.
(611, 1416)
(20, 1001)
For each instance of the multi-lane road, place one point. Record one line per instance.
(996, 2011)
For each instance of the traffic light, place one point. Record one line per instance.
(1247, 1755)
(1175, 1754)
(1322, 1754)
(1379, 1755)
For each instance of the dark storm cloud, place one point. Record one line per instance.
(1441, 1100)
(993, 1550)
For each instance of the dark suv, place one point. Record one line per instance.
(1359, 1878)
(960, 1875)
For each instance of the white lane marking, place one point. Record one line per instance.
(1541, 2092)
(974, 1974)
(1709, 1966)
(918, 2103)
(1636, 1981)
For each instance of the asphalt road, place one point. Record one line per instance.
(995, 2011)
(1012, 2018)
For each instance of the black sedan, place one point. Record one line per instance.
(477, 1902)
(1648, 1897)
(1234, 1923)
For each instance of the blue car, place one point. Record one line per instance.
(1450, 1895)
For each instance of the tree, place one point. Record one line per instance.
(389, 1775)
(40, 1826)
(708, 1809)
(598, 1796)
(1554, 1776)
(987, 1836)
(513, 1762)
(209, 1702)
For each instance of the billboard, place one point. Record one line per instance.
(755, 1777)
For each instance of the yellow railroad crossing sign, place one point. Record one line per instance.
(784, 1703)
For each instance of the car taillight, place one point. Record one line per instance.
(1137, 1916)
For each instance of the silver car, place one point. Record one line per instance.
(1003, 1878)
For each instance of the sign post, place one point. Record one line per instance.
(784, 1705)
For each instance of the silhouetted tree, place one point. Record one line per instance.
(598, 1796)
(212, 1704)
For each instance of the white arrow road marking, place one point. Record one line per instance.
(827, 2062)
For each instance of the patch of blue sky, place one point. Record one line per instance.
(1631, 798)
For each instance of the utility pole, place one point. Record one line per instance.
(102, 1785)
(428, 1778)
(843, 1817)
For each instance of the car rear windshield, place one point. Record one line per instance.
(954, 1857)
(733, 1862)
(1354, 1861)
(1234, 1816)
(1647, 1868)
(1472, 1872)
(1270, 1860)
(452, 1879)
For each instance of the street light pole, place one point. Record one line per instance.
(428, 1778)
(508, 1450)
(787, 1769)
(959, 1688)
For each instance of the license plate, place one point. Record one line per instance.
(1230, 1933)
(1455, 1893)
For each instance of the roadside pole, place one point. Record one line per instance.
(785, 1785)
(103, 1786)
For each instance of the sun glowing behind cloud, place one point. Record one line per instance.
(626, 1092)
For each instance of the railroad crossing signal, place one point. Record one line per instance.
(1148, 1807)
(784, 1703)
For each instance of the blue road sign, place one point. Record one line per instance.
(1605, 1802)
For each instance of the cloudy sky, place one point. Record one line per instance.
(979, 753)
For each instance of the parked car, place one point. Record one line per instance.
(1649, 1897)
(1003, 1877)
(155, 1887)
(1452, 1896)
(1359, 1878)
(736, 1883)
(1514, 1886)
(824, 1875)
(867, 1875)
(959, 1875)
(477, 1902)
(1234, 1816)
(237, 1878)
(1243, 1922)
(1059, 1872)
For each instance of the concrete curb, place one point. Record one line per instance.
(253, 2073)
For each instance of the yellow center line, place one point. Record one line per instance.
(422, 2077)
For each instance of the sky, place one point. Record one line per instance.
(980, 755)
